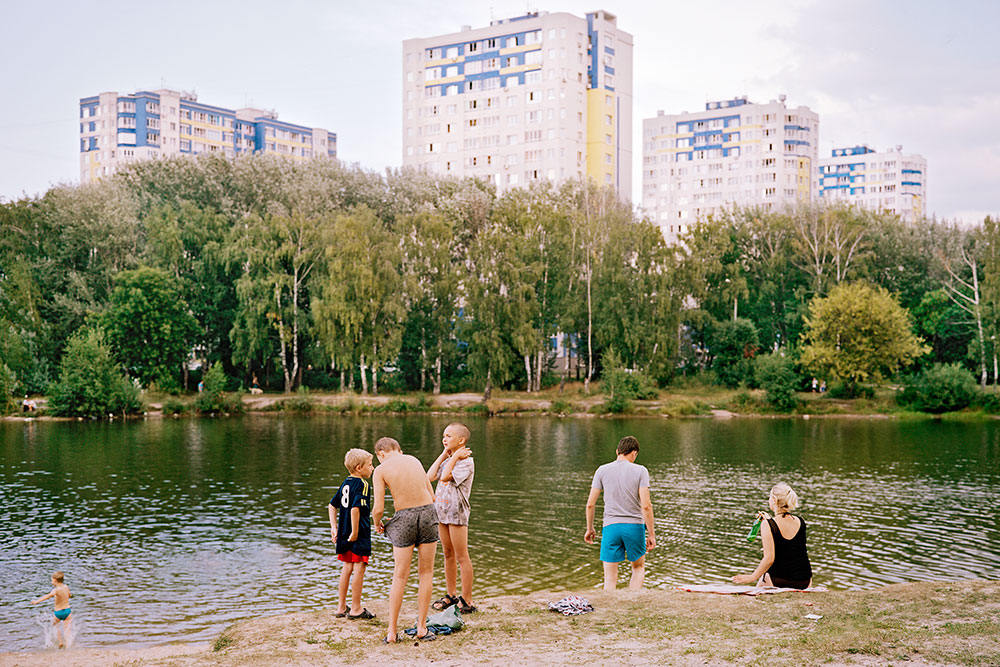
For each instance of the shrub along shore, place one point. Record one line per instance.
(926, 623)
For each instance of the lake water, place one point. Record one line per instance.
(173, 529)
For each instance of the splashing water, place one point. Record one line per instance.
(51, 631)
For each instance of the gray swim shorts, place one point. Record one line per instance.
(414, 525)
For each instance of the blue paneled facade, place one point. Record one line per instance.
(137, 121)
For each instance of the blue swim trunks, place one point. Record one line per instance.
(621, 540)
(63, 614)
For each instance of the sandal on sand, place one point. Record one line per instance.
(340, 614)
(399, 639)
(464, 606)
(364, 614)
(446, 601)
(429, 637)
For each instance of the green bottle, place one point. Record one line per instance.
(754, 529)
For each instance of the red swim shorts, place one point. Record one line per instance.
(351, 557)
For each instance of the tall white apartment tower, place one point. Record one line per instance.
(733, 152)
(891, 180)
(539, 96)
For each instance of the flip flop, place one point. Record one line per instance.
(385, 640)
(340, 614)
(364, 614)
(429, 637)
(444, 602)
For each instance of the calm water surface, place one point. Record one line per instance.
(171, 530)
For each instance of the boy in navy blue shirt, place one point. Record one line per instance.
(351, 530)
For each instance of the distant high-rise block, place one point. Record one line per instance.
(890, 181)
(118, 129)
(734, 152)
(539, 96)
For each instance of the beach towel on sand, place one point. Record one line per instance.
(733, 589)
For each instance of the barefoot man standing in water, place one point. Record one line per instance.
(414, 523)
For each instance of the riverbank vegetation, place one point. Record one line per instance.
(286, 275)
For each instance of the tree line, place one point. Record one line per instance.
(332, 276)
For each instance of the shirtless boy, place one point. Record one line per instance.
(413, 523)
(62, 620)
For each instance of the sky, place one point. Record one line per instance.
(924, 74)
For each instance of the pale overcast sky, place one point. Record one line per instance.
(921, 73)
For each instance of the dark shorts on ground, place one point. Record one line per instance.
(414, 525)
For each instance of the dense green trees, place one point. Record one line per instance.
(148, 326)
(91, 383)
(282, 270)
(767, 267)
(334, 276)
(858, 333)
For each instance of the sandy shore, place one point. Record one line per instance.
(934, 623)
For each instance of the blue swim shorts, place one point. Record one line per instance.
(621, 540)
(63, 614)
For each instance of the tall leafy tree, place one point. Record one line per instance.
(189, 243)
(149, 326)
(278, 254)
(858, 333)
(434, 275)
(359, 305)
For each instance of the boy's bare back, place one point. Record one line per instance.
(406, 479)
(62, 596)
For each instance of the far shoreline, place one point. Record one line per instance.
(721, 404)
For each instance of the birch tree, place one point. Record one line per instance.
(278, 254)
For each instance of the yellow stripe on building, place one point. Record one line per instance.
(517, 69)
(598, 147)
(520, 49)
(445, 80)
(444, 61)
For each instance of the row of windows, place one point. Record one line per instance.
(491, 44)
(511, 120)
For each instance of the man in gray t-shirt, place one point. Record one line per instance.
(628, 530)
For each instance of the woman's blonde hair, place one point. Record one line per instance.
(785, 499)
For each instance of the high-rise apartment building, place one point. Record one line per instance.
(891, 181)
(733, 152)
(539, 96)
(117, 129)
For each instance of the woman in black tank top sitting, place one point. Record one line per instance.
(785, 563)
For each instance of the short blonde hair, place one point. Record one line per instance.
(58, 576)
(355, 458)
(785, 499)
(386, 444)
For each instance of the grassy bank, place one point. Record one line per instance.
(682, 399)
(904, 624)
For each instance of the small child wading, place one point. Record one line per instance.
(351, 531)
(454, 469)
(62, 620)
